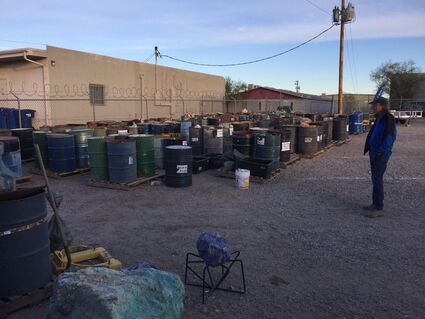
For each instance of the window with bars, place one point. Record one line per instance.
(97, 96)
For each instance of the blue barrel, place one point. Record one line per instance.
(26, 117)
(356, 123)
(147, 128)
(3, 122)
(61, 150)
(10, 118)
(81, 146)
(11, 156)
(24, 254)
(243, 117)
(184, 129)
(122, 163)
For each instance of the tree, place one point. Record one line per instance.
(234, 88)
(400, 78)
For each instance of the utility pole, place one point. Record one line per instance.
(156, 62)
(341, 59)
(297, 86)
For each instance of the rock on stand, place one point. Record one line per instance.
(101, 293)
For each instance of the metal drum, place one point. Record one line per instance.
(61, 153)
(330, 122)
(98, 158)
(213, 140)
(285, 147)
(307, 139)
(24, 253)
(325, 132)
(81, 146)
(158, 129)
(11, 156)
(293, 129)
(100, 131)
(122, 166)
(213, 121)
(267, 147)
(158, 145)
(319, 134)
(178, 166)
(26, 141)
(356, 123)
(145, 154)
(184, 129)
(196, 140)
(242, 143)
(40, 138)
(340, 128)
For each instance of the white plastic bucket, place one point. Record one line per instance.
(242, 178)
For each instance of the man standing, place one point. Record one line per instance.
(379, 144)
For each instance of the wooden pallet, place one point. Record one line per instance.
(23, 179)
(13, 304)
(252, 179)
(294, 158)
(61, 175)
(339, 143)
(125, 186)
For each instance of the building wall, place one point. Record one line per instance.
(25, 80)
(131, 90)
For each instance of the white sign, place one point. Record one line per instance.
(220, 132)
(181, 169)
(286, 146)
(318, 138)
(308, 139)
(184, 143)
(261, 140)
(130, 160)
(347, 127)
(195, 139)
(231, 130)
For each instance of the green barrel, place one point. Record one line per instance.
(100, 131)
(81, 148)
(40, 138)
(145, 154)
(98, 158)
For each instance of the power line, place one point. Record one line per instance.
(319, 8)
(252, 61)
(149, 58)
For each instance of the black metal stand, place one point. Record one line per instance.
(225, 271)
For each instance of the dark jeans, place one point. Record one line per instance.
(378, 165)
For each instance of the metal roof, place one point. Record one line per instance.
(18, 54)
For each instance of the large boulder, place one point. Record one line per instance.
(101, 293)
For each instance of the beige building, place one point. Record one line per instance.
(67, 86)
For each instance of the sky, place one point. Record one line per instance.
(220, 32)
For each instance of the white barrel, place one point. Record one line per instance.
(242, 178)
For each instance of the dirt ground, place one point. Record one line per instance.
(307, 250)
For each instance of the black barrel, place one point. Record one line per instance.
(267, 147)
(178, 166)
(307, 139)
(10, 156)
(285, 147)
(122, 163)
(213, 140)
(61, 153)
(330, 122)
(293, 129)
(24, 253)
(243, 143)
(325, 133)
(319, 134)
(196, 140)
(26, 141)
(340, 128)
(40, 138)
(213, 121)
(5, 132)
(240, 127)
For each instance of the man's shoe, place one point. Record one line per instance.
(370, 208)
(373, 213)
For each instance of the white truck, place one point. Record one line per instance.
(404, 117)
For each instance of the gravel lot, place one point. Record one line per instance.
(308, 252)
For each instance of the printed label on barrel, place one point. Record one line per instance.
(347, 127)
(286, 146)
(181, 169)
(130, 160)
(308, 139)
(318, 138)
(220, 132)
(184, 143)
(261, 140)
(195, 139)
(231, 131)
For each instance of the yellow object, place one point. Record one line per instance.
(83, 257)
(366, 122)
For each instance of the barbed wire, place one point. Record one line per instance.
(252, 61)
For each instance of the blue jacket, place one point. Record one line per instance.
(381, 136)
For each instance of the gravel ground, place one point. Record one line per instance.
(308, 252)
